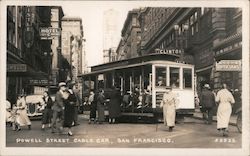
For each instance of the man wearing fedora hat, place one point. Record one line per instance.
(58, 108)
(207, 100)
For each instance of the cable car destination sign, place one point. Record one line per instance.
(169, 51)
(48, 33)
(228, 65)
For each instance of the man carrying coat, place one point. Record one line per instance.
(207, 100)
(58, 108)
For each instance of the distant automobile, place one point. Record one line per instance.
(35, 105)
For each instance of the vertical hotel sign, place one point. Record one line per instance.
(28, 29)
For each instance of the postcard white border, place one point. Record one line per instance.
(244, 4)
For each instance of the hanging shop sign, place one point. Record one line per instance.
(16, 68)
(28, 29)
(48, 33)
(229, 65)
(40, 82)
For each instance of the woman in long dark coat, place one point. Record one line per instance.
(100, 106)
(92, 101)
(114, 105)
(69, 110)
(47, 112)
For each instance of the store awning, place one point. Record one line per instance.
(23, 70)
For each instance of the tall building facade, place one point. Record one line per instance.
(131, 35)
(60, 66)
(73, 45)
(110, 27)
(201, 36)
(27, 64)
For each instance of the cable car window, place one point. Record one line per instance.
(187, 78)
(175, 77)
(160, 76)
(109, 82)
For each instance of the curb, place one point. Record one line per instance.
(200, 118)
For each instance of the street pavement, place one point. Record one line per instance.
(190, 133)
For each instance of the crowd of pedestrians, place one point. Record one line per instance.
(62, 114)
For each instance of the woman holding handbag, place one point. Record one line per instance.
(169, 104)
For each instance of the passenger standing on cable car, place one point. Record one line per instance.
(114, 105)
(101, 106)
(169, 104)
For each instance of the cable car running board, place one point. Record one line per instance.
(138, 114)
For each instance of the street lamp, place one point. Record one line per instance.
(181, 36)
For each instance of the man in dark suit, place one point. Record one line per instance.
(208, 102)
(58, 108)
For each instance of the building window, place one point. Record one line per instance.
(192, 20)
(196, 27)
(195, 16)
(192, 30)
(202, 10)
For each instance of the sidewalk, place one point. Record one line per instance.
(198, 115)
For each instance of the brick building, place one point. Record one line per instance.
(72, 44)
(27, 67)
(202, 36)
(131, 34)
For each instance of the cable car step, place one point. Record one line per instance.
(138, 114)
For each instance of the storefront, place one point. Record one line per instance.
(228, 55)
(22, 79)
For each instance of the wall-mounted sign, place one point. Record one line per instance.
(169, 51)
(100, 77)
(39, 82)
(49, 33)
(16, 68)
(28, 29)
(228, 65)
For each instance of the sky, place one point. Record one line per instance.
(92, 19)
(92, 12)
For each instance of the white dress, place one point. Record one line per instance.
(22, 117)
(8, 113)
(169, 107)
(225, 99)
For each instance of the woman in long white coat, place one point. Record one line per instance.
(22, 117)
(169, 104)
(225, 99)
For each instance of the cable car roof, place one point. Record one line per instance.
(133, 62)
